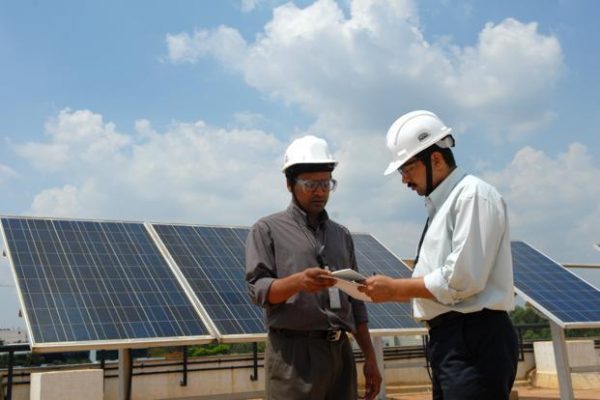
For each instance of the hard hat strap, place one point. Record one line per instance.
(426, 157)
(429, 176)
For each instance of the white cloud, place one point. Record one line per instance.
(556, 196)
(364, 69)
(75, 137)
(225, 43)
(191, 172)
(60, 202)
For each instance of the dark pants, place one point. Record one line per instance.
(474, 357)
(308, 368)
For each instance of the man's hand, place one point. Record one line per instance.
(382, 288)
(310, 280)
(372, 378)
(315, 279)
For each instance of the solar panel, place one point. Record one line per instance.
(557, 292)
(373, 258)
(83, 282)
(212, 261)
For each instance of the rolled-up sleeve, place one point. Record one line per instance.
(478, 231)
(260, 264)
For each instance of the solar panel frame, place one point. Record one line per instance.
(64, 264)
(530, 289)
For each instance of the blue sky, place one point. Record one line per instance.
(180, 111)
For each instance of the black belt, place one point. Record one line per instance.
(443, 319)
(333, 335)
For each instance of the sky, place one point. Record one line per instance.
(180, 111)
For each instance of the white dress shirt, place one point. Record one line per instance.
(465, 258)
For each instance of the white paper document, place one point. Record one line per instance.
(348, 280)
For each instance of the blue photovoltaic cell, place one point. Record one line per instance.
(87, 281)
(553, 287)
(212, 261)
(373, 258)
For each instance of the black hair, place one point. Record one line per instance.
(446, 153)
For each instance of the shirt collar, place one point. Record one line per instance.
(442, 191)
(301, 217)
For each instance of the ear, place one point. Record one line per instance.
(437, 160)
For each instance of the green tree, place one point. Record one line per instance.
(528, 316)
(525, 316)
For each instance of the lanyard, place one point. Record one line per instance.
(421, 242)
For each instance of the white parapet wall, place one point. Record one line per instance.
(61, 385)
(581, 353)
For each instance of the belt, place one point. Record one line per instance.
(443, 319)
(332, 335)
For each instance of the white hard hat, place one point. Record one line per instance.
(307, 150)
(414, 132)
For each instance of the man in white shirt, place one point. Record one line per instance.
(462, 283)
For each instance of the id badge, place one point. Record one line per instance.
(335, 302)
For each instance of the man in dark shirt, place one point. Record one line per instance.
(289, 256)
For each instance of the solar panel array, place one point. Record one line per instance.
(83, 281)
(553, 289)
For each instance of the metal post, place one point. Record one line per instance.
(10, 375)
(563, 369)
(254, 375)
(378, 347)
(521, 346)
(93, 356)
(183, 381)
(124, 374)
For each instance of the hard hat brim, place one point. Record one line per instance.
(393, 166)
(316, 162)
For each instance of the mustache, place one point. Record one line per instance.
(411, 185)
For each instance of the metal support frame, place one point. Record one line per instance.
(125, 364)
(378, 347)
(561, 358)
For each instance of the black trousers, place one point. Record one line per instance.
(474, 357)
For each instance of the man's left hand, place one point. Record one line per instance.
(372, 378)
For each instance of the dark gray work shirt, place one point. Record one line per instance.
(282, 244)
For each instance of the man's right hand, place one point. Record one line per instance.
(315, 279)
(310, 280)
